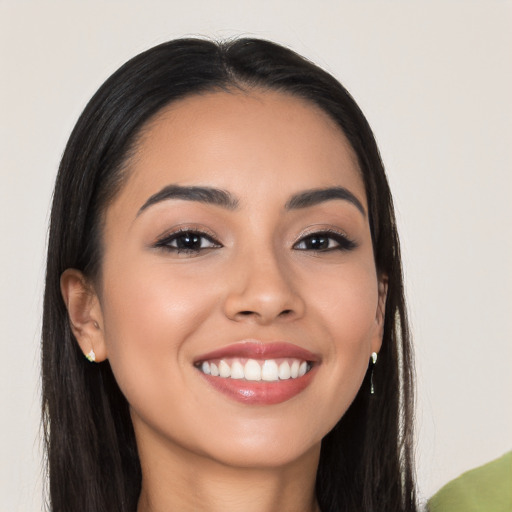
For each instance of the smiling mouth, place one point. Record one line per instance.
(255, 370)
(256, 373)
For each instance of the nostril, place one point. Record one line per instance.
(285, 312)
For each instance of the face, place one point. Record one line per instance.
(239, 245)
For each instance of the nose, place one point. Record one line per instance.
(261, 291)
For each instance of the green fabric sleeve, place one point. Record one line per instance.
(487, 488)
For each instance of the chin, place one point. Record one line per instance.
(276, 455)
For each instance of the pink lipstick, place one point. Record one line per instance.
(253, 372)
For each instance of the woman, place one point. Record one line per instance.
(223, 252)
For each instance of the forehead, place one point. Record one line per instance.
(244, 142)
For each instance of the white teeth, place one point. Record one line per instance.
(284, 370)
(294, 370)
(224, 369)
(237, 371)
(252, 370)
(214, 370)
(269, 370)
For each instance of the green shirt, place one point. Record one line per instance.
(487, 488)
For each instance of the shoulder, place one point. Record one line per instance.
(483, 489)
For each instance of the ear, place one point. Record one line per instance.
(380, 314)
(84, 310)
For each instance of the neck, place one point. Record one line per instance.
(176, 479)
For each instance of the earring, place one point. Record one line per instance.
(91, 356)
(374, 361)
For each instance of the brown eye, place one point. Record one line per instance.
(324, 241)
(187, 241)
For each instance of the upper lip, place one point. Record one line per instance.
(255, 349)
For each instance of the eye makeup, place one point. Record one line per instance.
(192, 241)
(187, 240)
(325, 240)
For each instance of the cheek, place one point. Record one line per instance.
(148, 314)
(345, 306)
(346, 299)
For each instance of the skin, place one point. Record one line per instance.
(156, 310)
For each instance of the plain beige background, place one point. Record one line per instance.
(434, 79)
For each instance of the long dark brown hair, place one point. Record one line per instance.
(366, 460)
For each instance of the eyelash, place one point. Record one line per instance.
(343, 243)
(182, 234)
(193, 236)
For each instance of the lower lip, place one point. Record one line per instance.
(260, 392)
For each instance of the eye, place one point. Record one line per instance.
(187, 241)
(324, 241)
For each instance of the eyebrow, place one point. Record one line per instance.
(224, 199)
(206, 195)
(313, 197)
